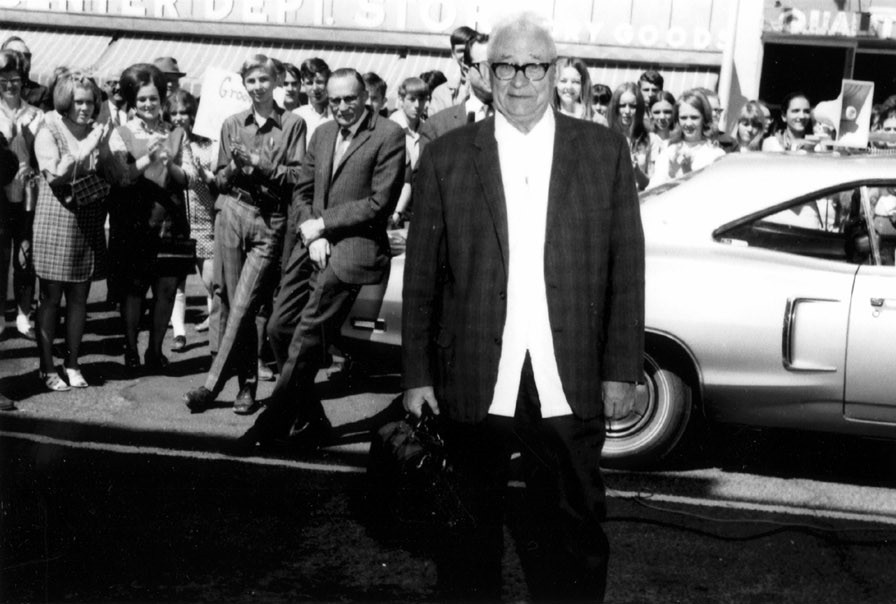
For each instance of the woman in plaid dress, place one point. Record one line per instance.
(199, 153)
(69, 240)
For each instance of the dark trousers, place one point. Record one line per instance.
(294, 397)
(561, 544)
(16, 225)
(291, 298)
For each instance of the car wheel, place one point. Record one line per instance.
(657, 422)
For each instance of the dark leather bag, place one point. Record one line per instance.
(412, 486)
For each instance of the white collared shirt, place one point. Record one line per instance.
(343, 142)
(476, 107)
(312, 118)
(412, 137)
(526, 161)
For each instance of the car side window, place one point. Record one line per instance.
(830, 226)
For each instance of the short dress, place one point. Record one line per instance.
(197, 160)
(69, 240)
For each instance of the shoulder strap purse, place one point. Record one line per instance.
(86, 189)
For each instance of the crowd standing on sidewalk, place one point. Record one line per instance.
(121, 148)
(284, 217)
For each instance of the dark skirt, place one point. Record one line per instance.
(139, 216)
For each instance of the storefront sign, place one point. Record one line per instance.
(655, 24)
(823, 18)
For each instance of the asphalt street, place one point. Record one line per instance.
(118, 493)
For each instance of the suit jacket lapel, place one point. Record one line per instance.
(326, 160)
(488, 167)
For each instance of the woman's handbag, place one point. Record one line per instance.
(86, 189)
(177, 255)
(89, 189)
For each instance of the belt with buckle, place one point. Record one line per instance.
(261, 202)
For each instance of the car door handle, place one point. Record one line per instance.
(882, 302)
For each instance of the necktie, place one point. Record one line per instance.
(471, 117)
(341, 146)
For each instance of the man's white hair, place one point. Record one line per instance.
(516, 23)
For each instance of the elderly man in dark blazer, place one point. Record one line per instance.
(348, 185)
(523, 320)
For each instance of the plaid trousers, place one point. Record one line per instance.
(248, 245)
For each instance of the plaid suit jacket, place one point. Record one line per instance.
(356, 200)
(455, 275)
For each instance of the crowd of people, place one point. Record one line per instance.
(284, 218)
(86, 154)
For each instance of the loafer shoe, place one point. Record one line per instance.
(310, 434)
(245, 402)
(199, 399)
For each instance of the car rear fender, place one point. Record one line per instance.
(674, 354)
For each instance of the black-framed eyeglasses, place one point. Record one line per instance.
(338, 100)
(533, 71)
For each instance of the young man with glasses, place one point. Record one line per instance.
(348, 186)
(522, 321)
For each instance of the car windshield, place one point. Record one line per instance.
(667, 186)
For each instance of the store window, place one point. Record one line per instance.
(815, 70)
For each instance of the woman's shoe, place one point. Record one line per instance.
(131, 361)
(75, 379)
(53, 382)
(202, 326)
(179, 344)
(153, 363)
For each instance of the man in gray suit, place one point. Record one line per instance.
(348, 186)
(523, 318)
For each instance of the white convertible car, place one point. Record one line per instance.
(771, 301)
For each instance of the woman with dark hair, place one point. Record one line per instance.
(601, 94)
(750, 127)
(796, 118)
(198, 164)
(293, 95)
(146, 158)
(691, 145)
(625, 115)
(572, 93)
(69, 238)
(662, 115)
(19, 122)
